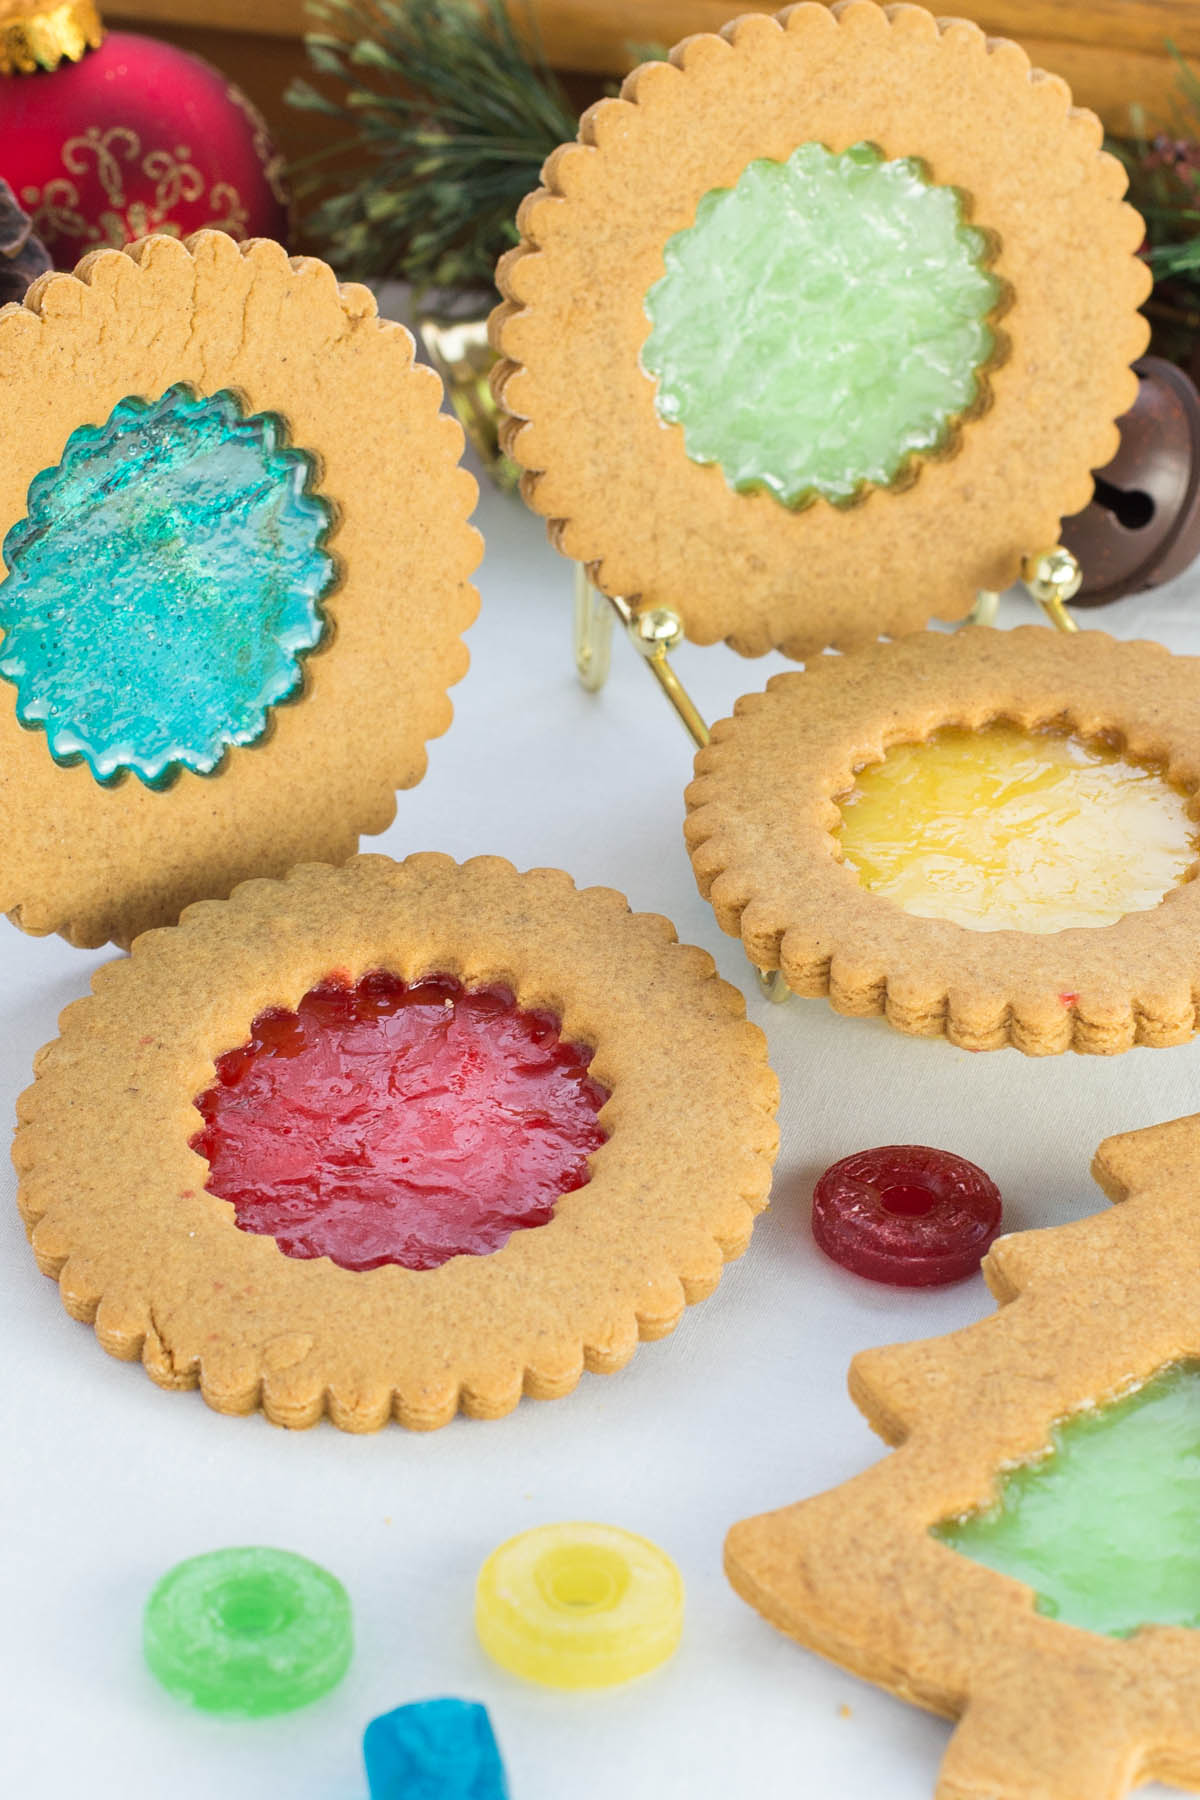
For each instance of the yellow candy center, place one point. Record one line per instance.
(582, 1577)
(1010, 830)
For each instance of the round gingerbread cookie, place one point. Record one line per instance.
(236, 578)
(821, 326)
(265, 1156)
(767, 830)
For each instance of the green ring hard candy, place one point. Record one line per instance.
(248, 1631)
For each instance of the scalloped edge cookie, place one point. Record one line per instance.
(97, 863)
(115, 1202)
(1087, 1311)
(616, 485)
(762, 811)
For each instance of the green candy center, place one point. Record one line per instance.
(255, 1607)
(821, 323)
(1104, 1527)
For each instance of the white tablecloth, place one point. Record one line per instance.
(108, 1481)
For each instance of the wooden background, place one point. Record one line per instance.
(1112, 52)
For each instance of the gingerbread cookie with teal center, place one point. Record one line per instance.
(822, 321)
(164, 587)
(235, 578)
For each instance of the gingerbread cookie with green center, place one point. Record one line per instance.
(1025, 1562)
(821, 326)
(236, 560)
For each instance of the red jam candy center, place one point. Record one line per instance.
(906, 1214)
(907, 1202)
(383, 1123)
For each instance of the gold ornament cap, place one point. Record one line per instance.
(40, 34)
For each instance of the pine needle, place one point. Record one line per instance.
(1164, 186)
(456, 114)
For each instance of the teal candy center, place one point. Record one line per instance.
(821, 323)
(1104, 1528)
(164, 586)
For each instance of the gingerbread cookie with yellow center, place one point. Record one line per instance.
(987, 835)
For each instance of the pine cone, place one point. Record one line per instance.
(23, 256)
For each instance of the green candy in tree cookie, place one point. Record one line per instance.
(164, 586)
(821, 323)
(1104, 1527)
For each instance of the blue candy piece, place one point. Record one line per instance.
(434, 1750)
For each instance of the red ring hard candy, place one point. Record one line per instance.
(906, 1214)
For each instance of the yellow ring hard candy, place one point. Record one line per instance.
(579, 1606)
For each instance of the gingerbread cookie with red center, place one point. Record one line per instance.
(391, 1140)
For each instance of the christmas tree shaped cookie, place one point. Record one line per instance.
(1026, 1561)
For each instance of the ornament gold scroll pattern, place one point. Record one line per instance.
(56, 206)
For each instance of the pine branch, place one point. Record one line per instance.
(457, 114)
(1164, 186)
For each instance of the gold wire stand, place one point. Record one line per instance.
(984, 610)
(593, 633)
(654, 632)
(1052, 577)
(460, 352)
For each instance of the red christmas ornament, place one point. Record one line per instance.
(105, 138)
